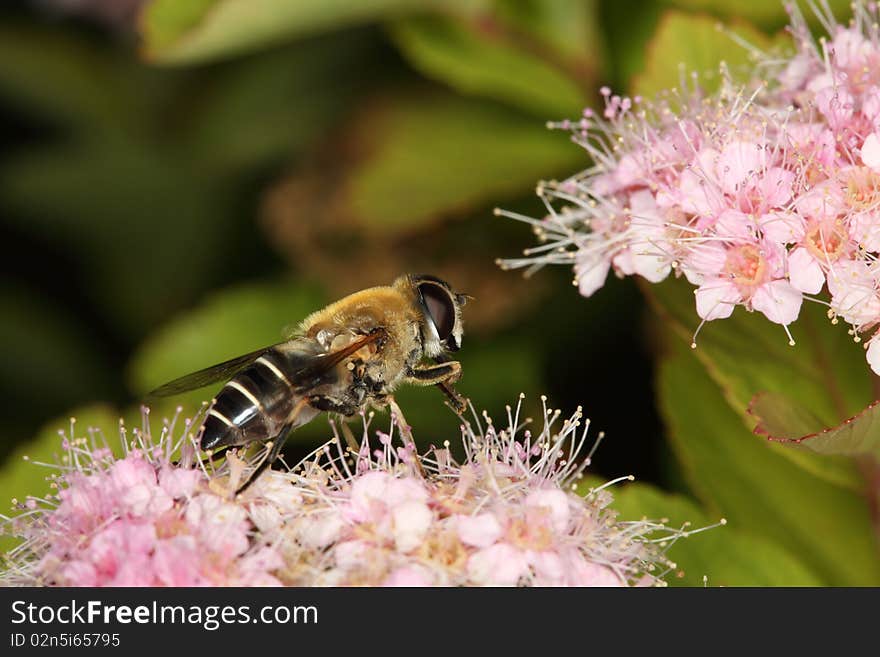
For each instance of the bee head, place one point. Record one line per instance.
(441, 307)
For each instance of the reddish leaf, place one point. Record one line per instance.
(784, 421)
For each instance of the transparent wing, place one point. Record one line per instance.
(309, 366)
(219, 372)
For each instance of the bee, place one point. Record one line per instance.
(350, 355)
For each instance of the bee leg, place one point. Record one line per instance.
(277, 445)
(348, 435)
(442, 374)
(429, 375)
(456, 400)
(405, 432)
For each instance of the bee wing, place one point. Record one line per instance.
(219, 372)
(315, 366)
(312, 366)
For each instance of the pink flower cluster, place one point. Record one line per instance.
(761, 196)
(509, 514)
(506, 516)
(136, 520)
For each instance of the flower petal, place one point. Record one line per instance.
(805, 273)
(590, 273)
(716, 299)
(870, 152)
(779, 301)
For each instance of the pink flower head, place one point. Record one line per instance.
(505, 516)
(139, 519)
(758, 194)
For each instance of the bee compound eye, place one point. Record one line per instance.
(441, 309)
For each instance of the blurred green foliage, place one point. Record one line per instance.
(724, 555)
(177, 190)
(744, 356)
(198, 30)
(756, 486)
(698, 41)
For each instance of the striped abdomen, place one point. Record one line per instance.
(256, 404)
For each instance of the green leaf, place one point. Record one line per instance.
(759, 11)
(264, 109)
(751, 481)
(22, 475)
(746, 354)
(187, 31)
(726, 556)
(568, 27)
(59, 75)
(628, 26)
(489, 63)
(50, 358)
(762, 12)
(163, 22)
(436, 153)
(696, 43)
(783, 420)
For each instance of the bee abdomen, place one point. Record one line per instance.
(253, 405)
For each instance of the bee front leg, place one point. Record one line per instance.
(441, 374)
(405, 432)
(431, 375)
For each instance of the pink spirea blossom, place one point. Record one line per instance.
(761, 195)
(137, 519)
(509, 514)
